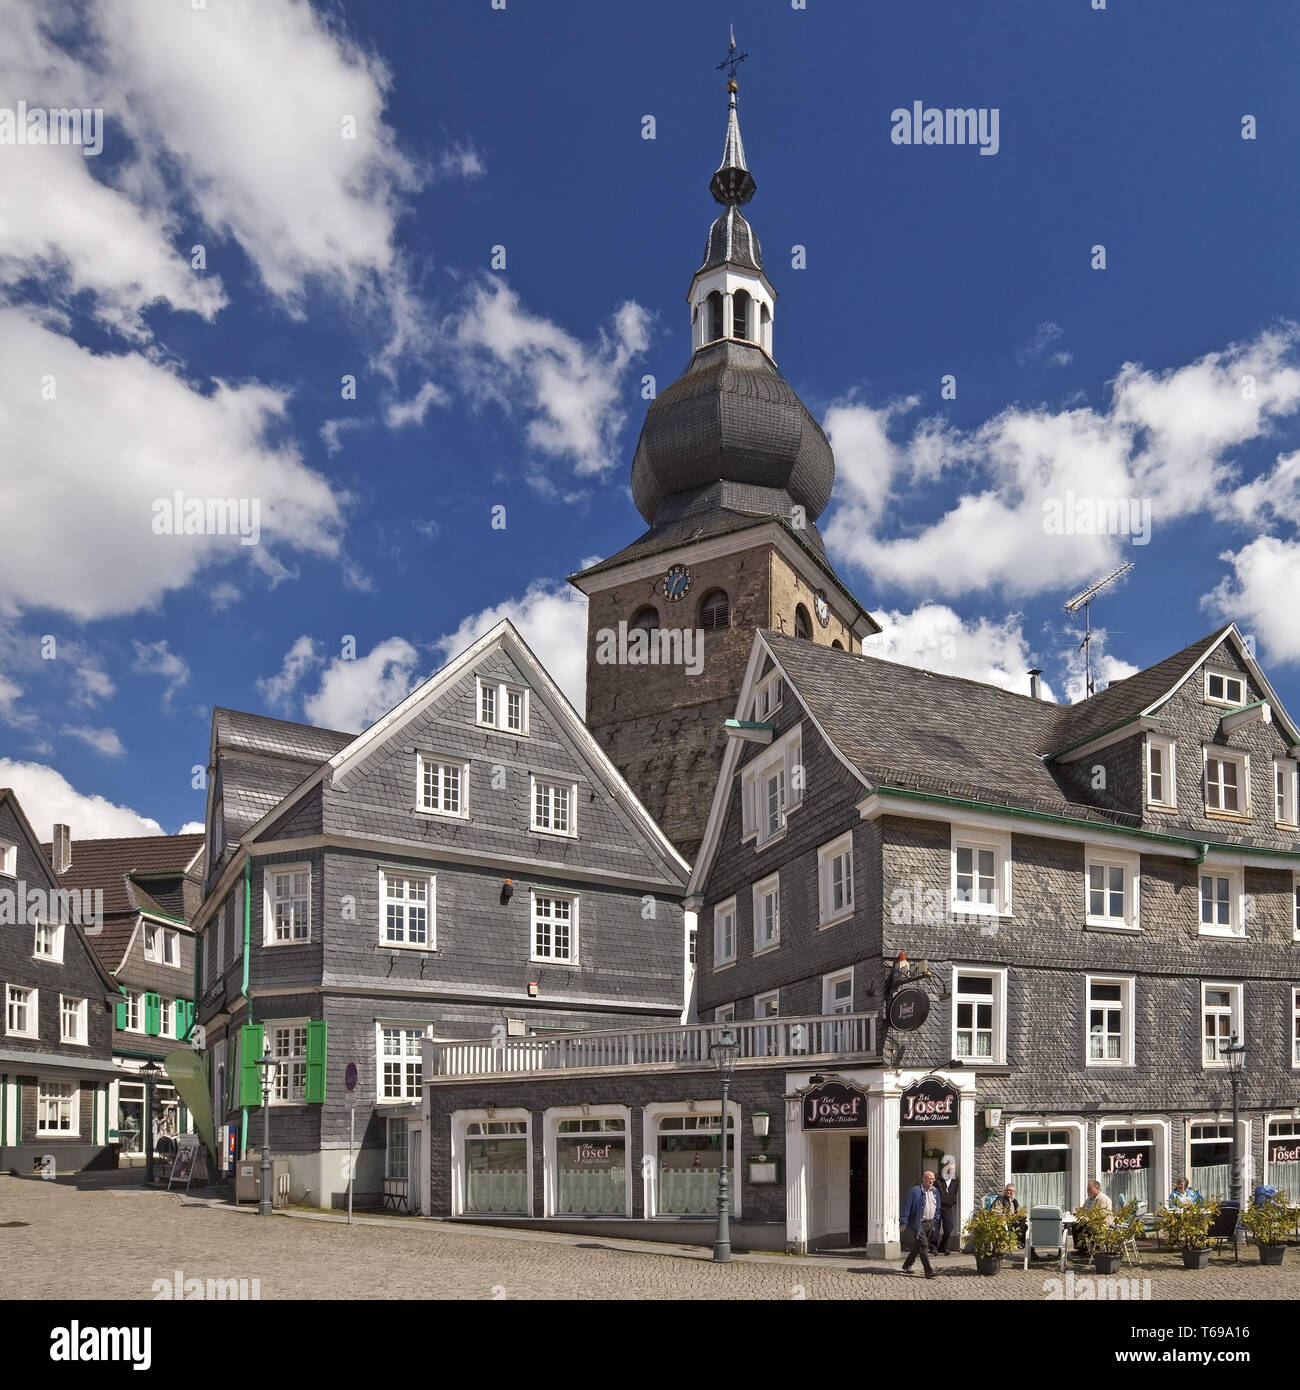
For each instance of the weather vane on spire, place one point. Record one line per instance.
(732, 61)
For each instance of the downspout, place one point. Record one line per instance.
(243, 987)
(1202, 855)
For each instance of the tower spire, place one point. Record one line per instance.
(733, 184)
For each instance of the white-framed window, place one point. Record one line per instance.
(981, 872)
(408, 906)
(133, 1001)
(48, 941)
(72, 1020)
(1210, 1159)
(1220, 1019)
(21, 1016)
(1295, 1027)
(1162, 788)
(835, 880)
(492, 1163)
(768, 694)
(767, 914)
(1295, 916)
(288, 904)
(399, 1061)
(237, 920)
(692, 940)
(1110, 1020)
(1127, 1157)
(724, 933)
(685, 1142)
(979, 1026)
(1284, 791)
(167, 1021)
(396, 1150)
(1282, 1154)
(555, 807)
(1046, 1165)
(589, 1161)
(1224, 687)
(152, 948)
(8, 858)
(771, 787)
(767, 1005)
(287, 1039)
(724, 1013)
(837, 998)
(441, 786)
(57, 1104)
(555, 927)
(1227, 782)
(501, 705)
(1222, 902)
(162, 945)
(1111, 888)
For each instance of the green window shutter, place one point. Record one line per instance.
(152, 1014)
(250, 1049)
(119, 1014)
(184, 1018)
(316, 1061)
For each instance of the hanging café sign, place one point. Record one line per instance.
(928, 1104)
(834, 1105)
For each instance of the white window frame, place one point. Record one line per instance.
(1295, 910)
(443, 763)
(1000, 842)
(724, 1013)
(768, 695)
(32, 1005)
(460, 1123)
(134, 1001)
(502, 689)
(652, 1113)
(411, 1091)
(8, 859)
(998, 974)
(1295, 1027)
(238, 944)
(1226, 675)
(1235, 1023)
(1241, 760)
(551, 1162)
(152, 934)
(282, 1075)
(1285, 780)
(1168, 749)
(1127, 985)
(783, 759)
(1076, 1144)
(70, 1095)
(762, 889)
(1236, 927)
(55, 930)
(827, 857)
(166, 1018)
(722, 958)
(79, 1036)
(552, 786)
(1280, 1120)
(386, 875)
(1131, 867)
(836, 977)
(552, 959)
(171, 941)
(272, 873)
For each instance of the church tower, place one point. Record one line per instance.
(730, 474)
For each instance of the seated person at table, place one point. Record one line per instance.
(1096, 1198)
(1183, 1195)
(1007, 1202)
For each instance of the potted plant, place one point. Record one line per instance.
(1269, 1222)
(1106, 1233)
(991, 1236)
(1188, 1227)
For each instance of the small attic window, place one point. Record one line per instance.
(1224, 688)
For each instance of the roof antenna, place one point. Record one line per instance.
(1084, 600)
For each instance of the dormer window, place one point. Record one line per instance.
(502, 705)
(1224, 688)
(767, 698)
(740, 312)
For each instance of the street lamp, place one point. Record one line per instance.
(724, 1053)
(1235, 1053)
(151, 1071)
(265, 1065)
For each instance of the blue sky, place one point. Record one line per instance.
(327, 255)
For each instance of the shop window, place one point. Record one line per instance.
(1282, 1156)
(56, 1107)
(1042, 1167)
(590, 1166)
(1211, 1155)
(1127, 1162)
(496, 1168)
(689, 1150)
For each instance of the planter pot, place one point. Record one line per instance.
(1196, 1259)
(988, 1264)
(1271, 1254)
(1106, 1263)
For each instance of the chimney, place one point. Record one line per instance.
(61, 849)
(1035, 685)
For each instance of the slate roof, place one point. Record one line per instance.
(732, 241)
(258, 733)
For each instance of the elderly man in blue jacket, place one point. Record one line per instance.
(921, 1216)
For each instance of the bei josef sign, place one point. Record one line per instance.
(928, 1104)
(834, 1105)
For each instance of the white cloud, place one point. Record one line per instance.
(461, 160)
(10, 694)
(280, 690)
(937, 639)
(103, 741)
(353, 694)
(1036, 348)
(1105, 667)
(192, 827)
(49, 799)
(552, 619)
(157, 659)
(412, 412)
(332, 432)
(571, 393)
(1260, 595)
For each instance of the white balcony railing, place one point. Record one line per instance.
(683, 1046)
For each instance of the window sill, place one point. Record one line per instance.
(1285, 825)
(724, 965)
(553, 834)
(1223, 933)
(407, 946)
(552, 960)
(49, 960)
(767, 950)
(978, 1063)
(761, 845)
(1235, 816)
(57, 1134)
(497, 729)
(1106, 924)
(1106, 1065)
(441, 815)
(960, 909)
(842, 916)
(272, 945)
(1162, 805)
(73, 1042)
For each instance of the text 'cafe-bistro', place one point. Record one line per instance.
(818, 1157)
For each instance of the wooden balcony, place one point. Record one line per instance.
(814, 1041)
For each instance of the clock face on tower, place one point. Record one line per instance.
(821, 608)
(676, 584)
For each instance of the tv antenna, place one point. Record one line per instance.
(1084, 600)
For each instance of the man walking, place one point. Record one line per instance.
(921, 1216)
(947, 1202)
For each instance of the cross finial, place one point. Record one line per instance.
(732, 61)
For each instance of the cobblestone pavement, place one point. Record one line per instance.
(115, 1242)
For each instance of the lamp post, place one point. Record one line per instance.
(150, 1071)
(1235, 1052)
(265, 1065)
(724, 1054)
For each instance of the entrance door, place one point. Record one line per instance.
(858, 1190)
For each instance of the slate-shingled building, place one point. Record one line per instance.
(470, 866)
